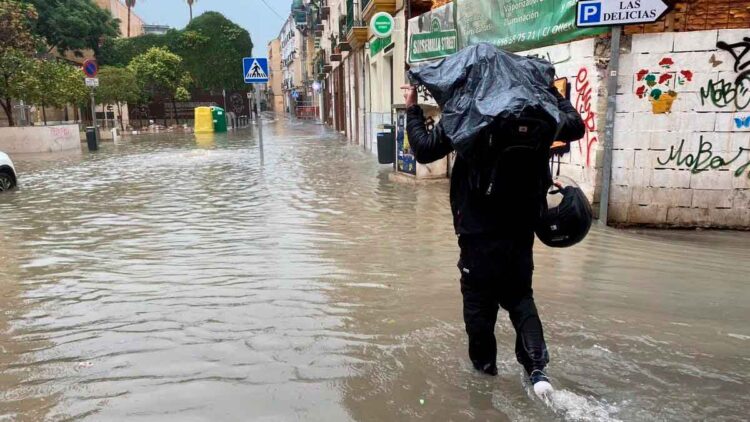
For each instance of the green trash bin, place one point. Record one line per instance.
(220, 119)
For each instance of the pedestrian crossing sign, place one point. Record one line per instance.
(255, 70)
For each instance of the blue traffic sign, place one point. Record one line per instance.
(90, 68)
(589, 13)
(255, 70)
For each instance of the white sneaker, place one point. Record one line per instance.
(540, 381)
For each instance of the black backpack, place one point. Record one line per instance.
(510, 157)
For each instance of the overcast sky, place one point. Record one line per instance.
(262, 23)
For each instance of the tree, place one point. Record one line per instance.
(16, 20)
(74, 25)
(55, 84)
(190, 5)
(130, 4)
(212, 46)
(120, 51)
(160, 74)
(117, 85)
(16, 81)
(17, 43)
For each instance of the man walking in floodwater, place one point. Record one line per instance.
(496, 238)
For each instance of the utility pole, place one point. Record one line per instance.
(609, 131)
(260, 129)
(93, 114)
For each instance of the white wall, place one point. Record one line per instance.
(706, 181)
(22, 140)
(576, 62)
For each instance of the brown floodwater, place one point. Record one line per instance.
(172, 278)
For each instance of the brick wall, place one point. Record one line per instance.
(699, 15)
(682, 143)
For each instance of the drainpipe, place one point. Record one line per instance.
(365, 87)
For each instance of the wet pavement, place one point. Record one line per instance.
(171, 278)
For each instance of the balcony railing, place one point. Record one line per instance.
(353, 15)
(356, 29)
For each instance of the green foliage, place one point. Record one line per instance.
(158, 71)
(120, 51)
(16, 21)
(16, 79)
(74, 25)
(182, 94)
(117, 85)
(211, 46)
(16, 74)
(56, 84)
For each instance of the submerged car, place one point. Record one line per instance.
(8, 178)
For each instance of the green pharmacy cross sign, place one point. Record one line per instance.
(382, 24)
(435, 44)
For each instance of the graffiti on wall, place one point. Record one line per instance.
(61, 132)
(660, 86)
(739, 51)
(584, 106)
(707, 159)
(724, 93)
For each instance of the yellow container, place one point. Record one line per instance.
(204, 121)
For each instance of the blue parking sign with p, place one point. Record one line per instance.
(255, 70)
(589, 13)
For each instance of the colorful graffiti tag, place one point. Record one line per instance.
(584, 106)
(659, 87)
(706, 159)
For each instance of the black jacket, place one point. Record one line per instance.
(478, 214)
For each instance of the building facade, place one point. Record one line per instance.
(274, 93)
(681, 144)
(118, 10)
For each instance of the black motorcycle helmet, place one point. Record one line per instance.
(567, 216)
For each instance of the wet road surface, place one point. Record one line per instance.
(171, 278)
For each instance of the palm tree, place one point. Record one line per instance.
(130, 4)
(190, 5)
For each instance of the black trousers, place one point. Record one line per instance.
(496, 271)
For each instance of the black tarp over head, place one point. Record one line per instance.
(482, 83)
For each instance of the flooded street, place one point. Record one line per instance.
(173, 278)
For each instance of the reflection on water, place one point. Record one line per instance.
(170, 277)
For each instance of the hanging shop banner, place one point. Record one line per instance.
(518, 25)
(433, 35)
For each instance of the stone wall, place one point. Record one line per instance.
(21, 140)
(682, 144)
